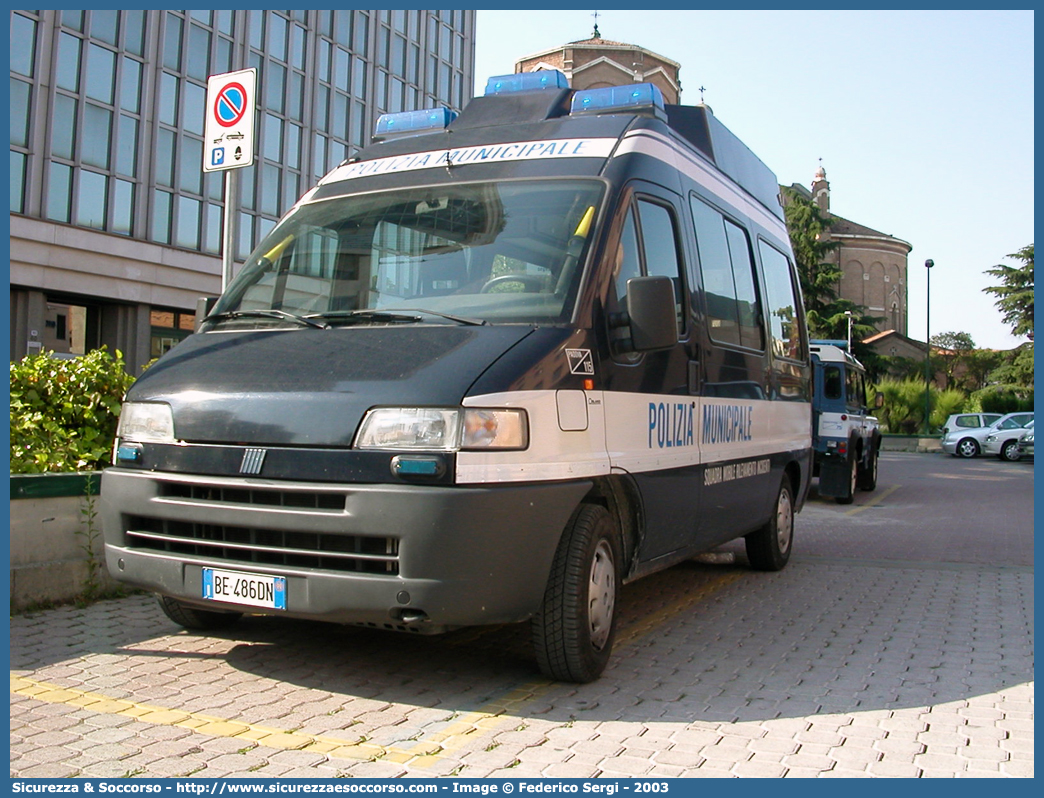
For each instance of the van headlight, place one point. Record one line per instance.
(494, 429)
(151, 422)
(443, 429)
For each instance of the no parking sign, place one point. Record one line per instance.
(229, 128)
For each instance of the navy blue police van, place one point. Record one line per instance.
(489, 370)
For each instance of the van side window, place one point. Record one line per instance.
(627, 263)
(657, 254)
(661, 250)
(856, 393)
(832, 382)
(781, 303)
(733, 312)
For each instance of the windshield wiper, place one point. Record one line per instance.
(393, 314)
(268, 313)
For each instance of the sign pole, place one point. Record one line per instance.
(228, 135)
(228, 245)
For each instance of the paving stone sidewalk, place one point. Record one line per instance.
(830, 669)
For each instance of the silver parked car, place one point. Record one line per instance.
(970, 421)
(965, 442)
(1003, 438)
(963, 433)
(1026, 442)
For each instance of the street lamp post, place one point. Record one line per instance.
(848, 313)
(927, 342)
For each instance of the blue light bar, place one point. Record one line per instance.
(389, 125)
(527, 81)
(633, 98)
(839, 343)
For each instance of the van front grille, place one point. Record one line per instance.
(252, 546)
(257, 497)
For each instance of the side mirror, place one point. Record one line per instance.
(204, 305)
(879, 399)
(650, 308)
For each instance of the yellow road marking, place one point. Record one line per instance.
(878, 498)
(421, 753)
(655, 619)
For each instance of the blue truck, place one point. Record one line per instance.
(846, 438)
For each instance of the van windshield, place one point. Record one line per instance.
(496, 252)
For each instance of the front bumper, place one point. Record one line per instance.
(423, 558)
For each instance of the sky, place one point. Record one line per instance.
(923, 121)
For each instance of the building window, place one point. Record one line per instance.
(23, 45)
(21, 92)
(59, 192)
(133, 130)
(169, 327)
(18, 161)
(91, 199)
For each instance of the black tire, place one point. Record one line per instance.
(192, 618)
(768, 548)
(574, 631)
(868, 475)
(966, 447)
(1010, 451)
(853, 478)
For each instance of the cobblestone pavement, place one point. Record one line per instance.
(837, 666)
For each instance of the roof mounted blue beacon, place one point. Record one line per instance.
(527, 81)
(636, 98)
(409, 123)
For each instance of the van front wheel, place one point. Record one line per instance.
(574, 631)
(768, 548)
(868, 475)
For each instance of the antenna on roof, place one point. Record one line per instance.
(701, 90)
(596, 34)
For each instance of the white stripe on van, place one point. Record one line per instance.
(634, 432)
(486, 153)
(662, 148)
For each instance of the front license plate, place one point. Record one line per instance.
(237, 587)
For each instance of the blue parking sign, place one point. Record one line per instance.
(217, 156)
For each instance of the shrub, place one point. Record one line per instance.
(945, 404)
(64, 412)
(1005, 399)
(903, 408)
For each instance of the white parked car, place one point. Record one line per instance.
(962, 439)
(1003, 438)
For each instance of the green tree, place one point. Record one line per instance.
(951, 351)
(819, 277)
(1016, 369)
(1015, 302)
(826, 314)
(1015, 292)
(981, 363)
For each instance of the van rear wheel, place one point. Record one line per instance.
(868, 475)
(574, 631)
(191, 618)
(853, 477)
(768, 548)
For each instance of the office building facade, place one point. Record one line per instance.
(115, 229)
